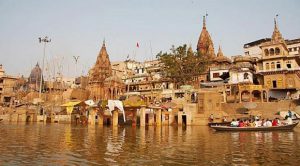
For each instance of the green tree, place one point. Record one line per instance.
(182, 65)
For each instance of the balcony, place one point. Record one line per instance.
(282, 69)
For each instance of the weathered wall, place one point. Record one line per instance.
(268, 109)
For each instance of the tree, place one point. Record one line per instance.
(182, 65)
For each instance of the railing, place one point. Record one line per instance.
(282, 69)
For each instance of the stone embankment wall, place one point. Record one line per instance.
(267, 109)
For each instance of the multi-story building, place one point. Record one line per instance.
(8, 86)
(142, 78)
(279, 67)
(242, 70)
(253, 49)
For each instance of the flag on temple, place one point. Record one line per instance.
(137, 45)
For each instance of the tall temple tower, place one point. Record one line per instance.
(103, 84)
(205, 45)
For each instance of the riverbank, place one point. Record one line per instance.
(190, 114)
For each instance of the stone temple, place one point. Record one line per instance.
(103, 83)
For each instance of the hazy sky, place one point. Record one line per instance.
(78, 27)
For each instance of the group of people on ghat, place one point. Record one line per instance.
(256, 122)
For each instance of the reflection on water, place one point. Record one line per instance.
(64, 144)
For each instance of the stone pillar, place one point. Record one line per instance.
(267, 96)
(133, 117)
(262, 96)
(158, 117)
(240, 96)
(171, 117)
(100, 119)
(115, 117)
(143, 116)
(151, 119)
(224, 96)
(179, 118)
(251, 96)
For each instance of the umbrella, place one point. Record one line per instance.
(134, 101)
(90, 103)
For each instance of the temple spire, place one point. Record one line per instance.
(220, 53)
(103, 45)
(276, 36)
(204, 22)
(205, 44)
(275, 24)
(190, 50)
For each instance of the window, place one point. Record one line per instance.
(216, 75)
(266, 52)
(271, 51)
(246, 76)
(247, 53)
(274, 84)
(289, 64)
(272, 65)
(277, 51)
(290, 49)
(295, 48)
(267, 66)
(278, 65)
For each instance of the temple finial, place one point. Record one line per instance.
(220, 53)
(275, 23)
(103, 42)
(204, 22)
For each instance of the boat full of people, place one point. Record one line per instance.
(258, 125)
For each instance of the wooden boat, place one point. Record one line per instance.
(272, 128)
(219, 124)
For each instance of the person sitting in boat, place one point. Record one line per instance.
(275, 122)
(267, 123)
(241, 123)
(278, 122)
(211, 117)
(234, 123)
(262, 122)
(257, 123)
(290, 114)
(224, 119)
(252, 123)
(288, 120)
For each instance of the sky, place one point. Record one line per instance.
(78, 28)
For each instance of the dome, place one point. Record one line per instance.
(35, 75)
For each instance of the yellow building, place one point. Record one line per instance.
(279, 68)
(7, 87)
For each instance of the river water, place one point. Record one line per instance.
(64, 144)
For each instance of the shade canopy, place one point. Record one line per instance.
(71, 104)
